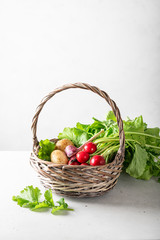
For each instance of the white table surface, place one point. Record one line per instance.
(130, 211)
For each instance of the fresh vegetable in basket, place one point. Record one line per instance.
(29, 197)
(72, 150)
(65, 152)
(62, 144)
(97, 144)
(46, 147)
(142, 145)
(59, 157)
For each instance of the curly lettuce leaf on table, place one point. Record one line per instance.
(29, 197)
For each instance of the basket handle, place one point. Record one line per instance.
(87, 87)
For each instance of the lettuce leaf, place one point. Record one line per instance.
(77, 136)
(62, 206)
(47, 203)
(46, 147)
(48, 197)
(30, 198)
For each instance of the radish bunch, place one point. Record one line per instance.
(81, 157)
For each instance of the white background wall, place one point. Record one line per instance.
(44, 44)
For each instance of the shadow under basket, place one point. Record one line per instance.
(78, 180)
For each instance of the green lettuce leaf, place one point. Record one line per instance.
(62, 206)
(46, 147)
(110, 127)
(77, 136)
(47, 203)
(83, 127)
(48, 197)
(40, 206)
(30, 198)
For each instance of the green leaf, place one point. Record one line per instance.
(83, 127)
(147, 174)
(46, 147)
(138, 164)
(28, 197)
(30, 194)
(155, 162)
(77, 136)
(110, 127)
(40, 206)
(136, 125)
(128, 156)
(153, 132)
(62, 206)
(23, 202)
(153, 141)
(111, 116)
(48, 197)
(62, 203)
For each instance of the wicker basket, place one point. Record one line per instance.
(77, 180)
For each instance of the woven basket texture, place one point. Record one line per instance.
(78, 180)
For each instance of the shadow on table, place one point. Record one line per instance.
(129, 192)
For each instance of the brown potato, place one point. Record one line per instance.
(62, 144)
(59, 157)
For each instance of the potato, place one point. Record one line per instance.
(62, 144)
(59, 157)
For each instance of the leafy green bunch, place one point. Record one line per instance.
(29, 197)
(142, 145)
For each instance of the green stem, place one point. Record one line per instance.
(152, 146)
(108, 139)
(102, 150)
(144, 134)
(129, 144)
(154, 156)
(113, 140)
(109, 150)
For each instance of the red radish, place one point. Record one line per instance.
(73, 162)
(82, 156)
(90, 147)
(85, 164)
(97, 160)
